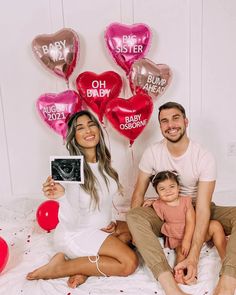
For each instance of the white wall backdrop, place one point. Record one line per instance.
(195, 38)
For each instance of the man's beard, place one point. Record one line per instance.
(177, 139)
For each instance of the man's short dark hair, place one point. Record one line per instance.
(171, 105)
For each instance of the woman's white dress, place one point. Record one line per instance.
(78, 232)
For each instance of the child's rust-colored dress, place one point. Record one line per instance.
(174, 220)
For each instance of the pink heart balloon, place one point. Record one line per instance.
(98, 89)
(130, 116)
(55, 109)
(127, 43)
(57, 52)
(151, 77)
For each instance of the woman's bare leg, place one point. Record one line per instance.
(122, 233)
(115, 258)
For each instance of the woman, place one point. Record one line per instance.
(87, 232)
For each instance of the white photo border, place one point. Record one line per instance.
(81, 158)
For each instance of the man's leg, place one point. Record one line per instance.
(227, 217)
(145, 227)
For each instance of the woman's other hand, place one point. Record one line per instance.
(110, 228)
(52, 190)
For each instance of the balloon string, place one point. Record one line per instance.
(132, 155)
(125, 210)
(63, 16)
(67, 84)
(108, 138)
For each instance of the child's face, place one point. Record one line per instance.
(168, 190)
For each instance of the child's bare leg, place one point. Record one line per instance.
(179, 257)
(217, 235)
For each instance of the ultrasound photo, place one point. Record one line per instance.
(67, 169)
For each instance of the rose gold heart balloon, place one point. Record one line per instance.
(57, 52)
(151, 77)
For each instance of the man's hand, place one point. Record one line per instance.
(148, 202)
(190, 265)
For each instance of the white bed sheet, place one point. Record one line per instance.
(30, 247)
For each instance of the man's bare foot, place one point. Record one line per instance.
(169, 284)
(225, 286)
(76, 280)
(49, 270)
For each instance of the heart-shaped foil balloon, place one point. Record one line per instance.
(55, 109)
(130, 116)
(151, 77)
(127, 43)
(57, 52)
(98, 89)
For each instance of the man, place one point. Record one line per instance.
(197, 170)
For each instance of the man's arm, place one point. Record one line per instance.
(204, 197)
(140, 189)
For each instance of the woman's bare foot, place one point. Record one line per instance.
(76, 280)
(49, 270)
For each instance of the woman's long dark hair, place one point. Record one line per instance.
(103, 157)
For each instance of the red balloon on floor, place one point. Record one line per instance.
(4, 254)
(47, 215)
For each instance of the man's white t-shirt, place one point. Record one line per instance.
(196, 164)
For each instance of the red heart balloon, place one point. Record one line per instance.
(55, 109)
(152, 78)
(127, 43)
(98, 89)
(130, 116)
(57, 52)
(4, 253)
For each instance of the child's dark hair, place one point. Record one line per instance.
(164, 175)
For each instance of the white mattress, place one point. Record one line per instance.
(30, 247)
